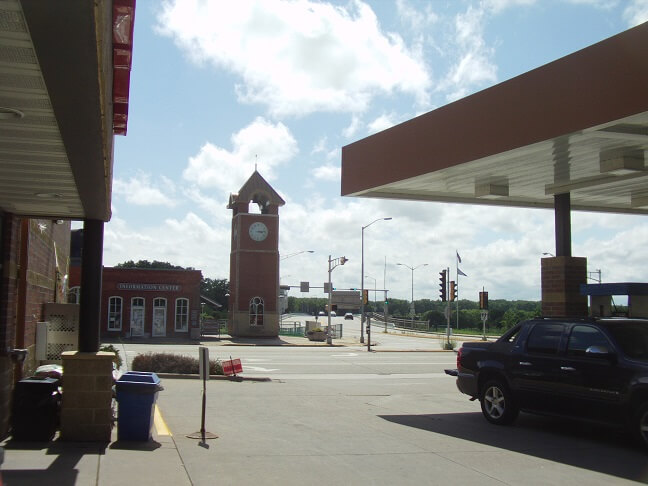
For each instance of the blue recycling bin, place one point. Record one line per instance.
(137, 392)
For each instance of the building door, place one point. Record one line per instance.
(159, 317)
(137, 316)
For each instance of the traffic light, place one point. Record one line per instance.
(483, 300)
(453, 291)
(334, 307)
(442, 291)
(365, 296)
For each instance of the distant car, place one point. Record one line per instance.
(333, 314)
(348, 316)
(321, 313)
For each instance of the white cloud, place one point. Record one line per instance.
(500, 248)
(188, 242)
(139, 190)
(353, 127)
(497, 6)
(320, 146)
(327, 173)
(415, 19)
(296, 56)
(602, 4)
(381, 123)
(474, 66)
(636, 12)
(265, 144)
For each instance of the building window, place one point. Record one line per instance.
(182, 315)
(256, 311)
(114, 313)
(74, 295)
(159, 316)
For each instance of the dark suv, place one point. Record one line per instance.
(590, 369)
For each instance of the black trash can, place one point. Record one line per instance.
(137, 392)
(36, 408)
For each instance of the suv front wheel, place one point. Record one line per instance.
(497, 404)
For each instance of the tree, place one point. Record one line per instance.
(155, 264)
(216, 290)
(515, 315)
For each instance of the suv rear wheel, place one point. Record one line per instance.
(641, 424)
(497, 404)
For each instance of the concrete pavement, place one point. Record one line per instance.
(322, 430)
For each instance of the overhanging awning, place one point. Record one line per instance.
(578, 125)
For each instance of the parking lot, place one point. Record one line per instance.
(342, 415)
(333, 415)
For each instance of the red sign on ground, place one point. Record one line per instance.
(232, 366)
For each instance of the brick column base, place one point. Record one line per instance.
(561, 280)
(86, 414)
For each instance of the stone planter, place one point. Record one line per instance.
(316, 335)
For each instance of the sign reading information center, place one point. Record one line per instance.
(152, 287)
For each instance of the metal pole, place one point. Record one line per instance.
(385, 287)
(447, 311)
(368, 333)
(362, 316)
(412, 298)
(204, 404)
(385, 310)
(330, 289)
(457, 303)
(362, 311)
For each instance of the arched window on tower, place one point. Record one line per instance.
(256, 311)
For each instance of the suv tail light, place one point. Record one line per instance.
(459, 358)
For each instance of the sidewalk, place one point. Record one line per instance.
(89, 463)
(157, 462)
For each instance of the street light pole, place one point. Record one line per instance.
(362, 316)
(332, 263)
(297, 253)
(412, 310)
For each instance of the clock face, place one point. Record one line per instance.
(258, 231)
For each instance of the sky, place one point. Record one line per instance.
(219, 87)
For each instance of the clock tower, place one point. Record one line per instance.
(254, 260)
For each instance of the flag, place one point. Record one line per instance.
(459, 272)
(458, 257)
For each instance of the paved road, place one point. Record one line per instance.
(345, 416)
(333, 416)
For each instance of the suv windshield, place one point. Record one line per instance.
(632, 337)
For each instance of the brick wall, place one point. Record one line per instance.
(49, 249)
(182, 284)
(40, 288)
(561, 280)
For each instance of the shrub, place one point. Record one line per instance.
(112, 349)
(317, 329)
(172, 363)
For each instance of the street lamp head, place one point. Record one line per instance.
(387, 219)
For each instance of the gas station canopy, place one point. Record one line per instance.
(577, 126)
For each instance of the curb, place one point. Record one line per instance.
(188, 376)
